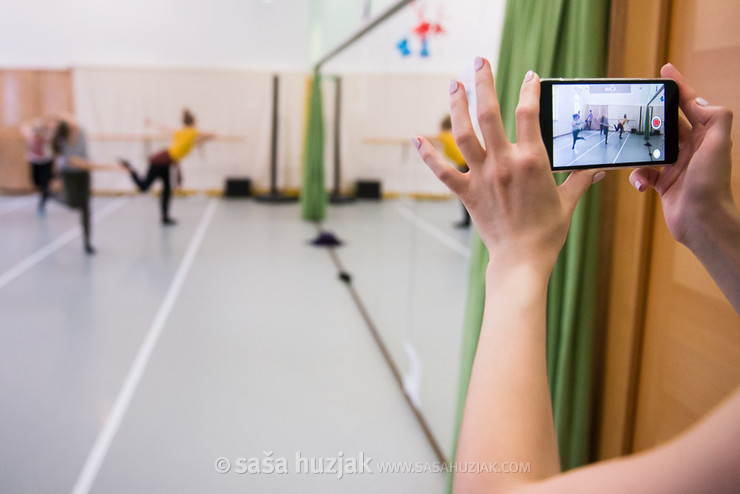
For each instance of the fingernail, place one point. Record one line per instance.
(529, 76)
(701, 101)
(417, 142)
(598, 177)
(453, 86)
(478, 64)
(638, 185)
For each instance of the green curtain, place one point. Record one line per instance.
(314, 198)
(555, 38)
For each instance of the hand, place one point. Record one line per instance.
(698, 184)
(520, 212)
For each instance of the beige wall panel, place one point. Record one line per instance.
(26, 94)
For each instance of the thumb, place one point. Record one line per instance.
(577, 184)
(644, 178)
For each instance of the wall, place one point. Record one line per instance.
(134, 59)
(25, 94)
(233, 34)
(472, 28)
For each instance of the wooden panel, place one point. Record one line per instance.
(26, 94)
(636, 49)
(691, 353)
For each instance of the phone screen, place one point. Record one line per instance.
(611, 123)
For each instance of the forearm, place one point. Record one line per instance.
(508, 414)
(716, 243)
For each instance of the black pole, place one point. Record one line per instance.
(273, 149)
(336, 196)
(274, 195)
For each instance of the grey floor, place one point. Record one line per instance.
(227, 336)
(595, 149)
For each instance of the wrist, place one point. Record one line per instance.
(531, 275)
(713, 227)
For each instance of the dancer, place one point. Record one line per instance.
(183, 142)
(589, 119)
(604, 123)
(523, 219)
(38, 133)
(621, 124)
(450, 149)
(577, 127)
(69, 145)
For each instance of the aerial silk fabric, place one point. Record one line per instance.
(555, 38)
(314, 197)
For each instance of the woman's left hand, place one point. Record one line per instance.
(521, 214)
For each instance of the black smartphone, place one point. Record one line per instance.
(609, 123)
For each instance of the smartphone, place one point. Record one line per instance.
(609, 123)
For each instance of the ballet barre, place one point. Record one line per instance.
(156, 137)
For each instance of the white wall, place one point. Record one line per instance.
(233, 104)
(233, 34)
(137, 58)
(473, 28)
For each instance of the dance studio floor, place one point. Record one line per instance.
(592, 149)
(175, 352)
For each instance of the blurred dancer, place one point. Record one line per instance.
(38, 134)
(69, 145)
(183, 141)
(452, 152)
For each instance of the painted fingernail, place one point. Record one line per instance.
(453, 86)
(529, 76)
(638, 185)
(701, 101)
(598, 177)
(417, 142)
(478, 64)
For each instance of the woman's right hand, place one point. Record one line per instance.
(698, 185)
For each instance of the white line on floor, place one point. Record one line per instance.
(17, 204)
(435, 232)
(584, 154)
(57, 244)
(620, 149)
(123, 399)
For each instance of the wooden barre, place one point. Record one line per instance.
(15, 135)
(386, 141)
(156, 137)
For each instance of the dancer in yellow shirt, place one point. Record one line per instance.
(451, 151)
(183, 142)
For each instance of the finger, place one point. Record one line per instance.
(462, 127)
(577, 184)
(453, 179)
(489, 111)
(644, 178)
(528, 111)
(688, 99)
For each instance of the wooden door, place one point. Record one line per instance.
(690, 357)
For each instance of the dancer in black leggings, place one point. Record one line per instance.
(620, 126)
(577, 126)
(70, 149)
(183, 142)
(38, 134)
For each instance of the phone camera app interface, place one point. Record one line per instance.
(607, 124)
